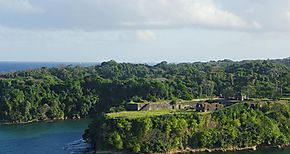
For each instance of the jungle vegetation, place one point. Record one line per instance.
(238, 126)
(80, 92)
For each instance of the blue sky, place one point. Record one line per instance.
(143, 30)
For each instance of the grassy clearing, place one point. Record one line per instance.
(140, 114)
(285, 98)
(146, 102)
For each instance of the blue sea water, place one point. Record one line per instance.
(59, 137)
(20, 66)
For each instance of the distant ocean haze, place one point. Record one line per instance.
(20, 66)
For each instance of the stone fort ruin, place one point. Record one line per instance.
(199, 106)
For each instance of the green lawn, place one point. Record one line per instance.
(140, 114)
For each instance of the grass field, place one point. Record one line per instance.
(140, 114)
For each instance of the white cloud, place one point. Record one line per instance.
(121, 14)
(206, 13)
(288, 15)
(18, 6)
(14, 34)
(257, 25)
(145, 35)
(184, 13)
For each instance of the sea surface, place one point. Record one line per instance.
(20, 66)
(59, 137)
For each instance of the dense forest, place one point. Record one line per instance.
(79, 92)
(241, 125)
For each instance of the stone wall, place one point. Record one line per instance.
(135, 107)
(186, 105)
(205, 107)
(160, 106)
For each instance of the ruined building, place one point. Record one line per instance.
(205, 107)
(160, 106)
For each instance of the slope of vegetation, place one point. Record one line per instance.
(241, 125)
(79, 92)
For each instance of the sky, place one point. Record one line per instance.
(143, 31)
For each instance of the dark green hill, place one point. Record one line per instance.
(241, 126)
(79, 92)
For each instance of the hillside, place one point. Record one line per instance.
(241, 126)
(79, 92)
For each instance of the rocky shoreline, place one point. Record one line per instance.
(19, 122)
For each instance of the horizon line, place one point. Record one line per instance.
(128, 61)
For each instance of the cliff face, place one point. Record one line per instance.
(237, 127)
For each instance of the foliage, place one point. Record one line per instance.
(79, 92)
(241, 125)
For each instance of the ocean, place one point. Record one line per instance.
(20, 66)
(58, 137)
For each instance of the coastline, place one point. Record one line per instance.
(22, 122)
(207, 150)
(43, 137)
(36, 120)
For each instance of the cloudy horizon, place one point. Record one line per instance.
(143, 30)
